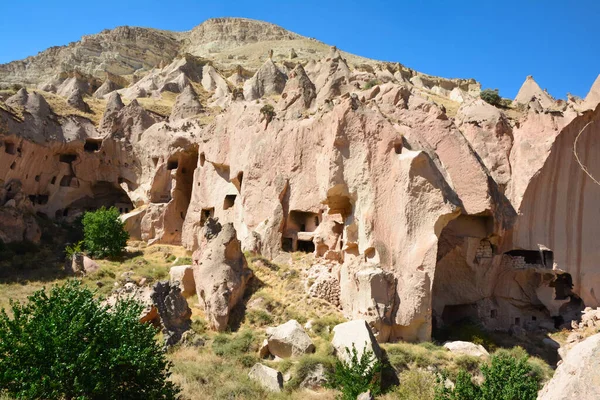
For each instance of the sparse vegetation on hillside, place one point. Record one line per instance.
(370, 84)
(65, 345)
(104, 233)
(491, 96)
(357, 375)
(504, 378)
(268, 113)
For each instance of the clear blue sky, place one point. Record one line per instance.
(498, 43)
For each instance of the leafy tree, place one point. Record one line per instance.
(356, 376)
(104, 233)
(67, 345)
(268, 113)
(505, 378)
(491, 96)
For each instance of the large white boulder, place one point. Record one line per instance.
(269, 378)
(356, 333)
(467, 348)
(578, 376)
(288, 340)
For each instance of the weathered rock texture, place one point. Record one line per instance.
(288, 340)
(577, 376)
(221, 273)
(432, 211)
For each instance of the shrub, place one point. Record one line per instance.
(66, 345)
(268, 113)
(104, 234)
(356, 376)
(72, 250)
(416, 384)
(505, 378)
(233, 345)
(370, 84)
(491, 96)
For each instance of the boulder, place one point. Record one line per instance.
(288, 340)
(173, 310)
(183, 275)
(466, 348)
(357, 334)
(315, 379)
(577, 376)
(269, 378)
(220, 271)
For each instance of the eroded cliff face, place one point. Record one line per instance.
(433, 205)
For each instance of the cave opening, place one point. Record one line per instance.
(533, 257)
(10, 148)
(92, 145)
(205, 214)
(104, 194)
(305, 246)
(67, 158)
(287, 244)
(172, 164)
(229, 201)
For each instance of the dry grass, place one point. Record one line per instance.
(60, 106)
(161, 105)
(450, 105)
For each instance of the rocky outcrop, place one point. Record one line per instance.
(530, 91)
(289, 340)
(75, 100)
(299, 92)
(183, 276)
(186, 105)
(268, 80)
(221, 273)
(267, 377)
(577, 376)
(173, 311)
(419, 216)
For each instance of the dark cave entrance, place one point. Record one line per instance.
(104, 194)
(306, 246)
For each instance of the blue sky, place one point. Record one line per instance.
(497, 43)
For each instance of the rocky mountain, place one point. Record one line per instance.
(422, 203)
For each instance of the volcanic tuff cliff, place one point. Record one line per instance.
(431, 204)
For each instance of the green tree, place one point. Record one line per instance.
(357, 375)
(491, 96)
(505, 378)
(67, 345)
(104, 233)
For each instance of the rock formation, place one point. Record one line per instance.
(577, 376)
(221, 273)
(173, 311)
(288, 340)
(186, 105)
(425, 211)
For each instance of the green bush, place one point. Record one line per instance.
(505, 378)
(66, 345)
(233, 345)
(491, 96)
(415, 384)
(104, 233)
(356, 376)
(370, 84)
